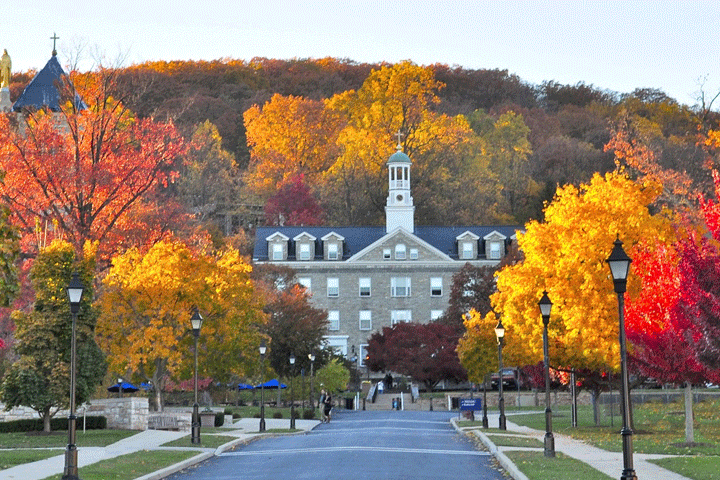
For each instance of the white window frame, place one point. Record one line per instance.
(365, 320)
(400, 287)
(414, 254)
(333, 287)
(435, 314)
(333, 320)
(436, 286)
(468, 250)
(304, 252)
(305, 282)
(387, 253)
(277, 252)
(397, 316)
(400, 251)
(365, 287)
(333, 251)
(495, 250)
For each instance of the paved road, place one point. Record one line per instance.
(357, 445)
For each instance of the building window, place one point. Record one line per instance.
(386, 253)
(413, 254)
(436, 287)
(334, 320)
(277, 251)
(400, 286)
(495, 250)
(332, 251)
(364, 287)
(333, 287)
(305, 282)
(365, 320)
(435, 314)
(467, 250)
(363, 353)
(304, 251)
(397, 316)
(400, 252)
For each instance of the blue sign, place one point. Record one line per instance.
(471, 404)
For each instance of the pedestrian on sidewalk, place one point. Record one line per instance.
(321, 405)
(327, 407)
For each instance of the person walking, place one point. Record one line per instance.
(327, 407)
(321, 405)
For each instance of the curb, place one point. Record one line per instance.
(502, 459)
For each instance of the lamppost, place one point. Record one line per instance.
(120, 382)
(292, 393)
(619, 266)
(545, 307)
(484, 417)
(196, 322)
(312, 381)
(74, 291)
(262, 349)
(500, 334)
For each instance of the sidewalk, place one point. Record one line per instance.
(244, 429)
(610, 463)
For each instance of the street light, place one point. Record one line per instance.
(619, 267)
(312, 381)
(500, 334)
(120, 382)
(262, 349)
(74, 291)
(196, 322)
(292, 393)
(545, 307)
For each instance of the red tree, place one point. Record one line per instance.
(293, 204)
(424, 352)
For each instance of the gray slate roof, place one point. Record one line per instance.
(357, 238)
(42, 91)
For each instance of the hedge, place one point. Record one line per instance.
(60, 423)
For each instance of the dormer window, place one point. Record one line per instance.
(495, 250)
(467, 250)
(304, 251)
(400, 252)
(278, 252)
(304, 247)
(494, 245)
(332, 251)
(332, 246)
(277, 247)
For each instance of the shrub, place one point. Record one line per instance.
(277, 415)
(228, 411)
(219, 419)
(60, 423)
(309, 414)
(236, 416)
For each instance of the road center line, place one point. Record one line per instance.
(353, 449)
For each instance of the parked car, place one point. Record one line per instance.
(511, 379)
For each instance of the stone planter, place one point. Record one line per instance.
(207, 419)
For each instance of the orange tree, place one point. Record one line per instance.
(146, 304)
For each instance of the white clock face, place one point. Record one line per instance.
(399, 198)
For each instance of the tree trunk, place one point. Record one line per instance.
(596, 405)
(689, 431)
(46, 420)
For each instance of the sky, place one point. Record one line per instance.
(616, 45)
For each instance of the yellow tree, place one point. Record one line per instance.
(565, 255)
(147, 302)
(477, 349)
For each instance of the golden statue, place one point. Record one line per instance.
(5, 67)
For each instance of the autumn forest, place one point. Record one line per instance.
(153, 191)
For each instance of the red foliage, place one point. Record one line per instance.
(293, 205)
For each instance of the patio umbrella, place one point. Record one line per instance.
(245, 386)
(125, 386)
(272, 384)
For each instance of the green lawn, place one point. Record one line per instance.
(538, 467)
(11, 458)
(89, 438)
(698, 468)
(129, 467)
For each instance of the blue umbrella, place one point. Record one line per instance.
(125, 386)
(245, 386)
(272, 384)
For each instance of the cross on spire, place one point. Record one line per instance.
(399, 136)
(54, 38)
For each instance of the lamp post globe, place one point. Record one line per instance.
(620, 267)
(74, 292)
(262, 350)
(292, 392)
(500, 334)
(545, 307)
(196, 322)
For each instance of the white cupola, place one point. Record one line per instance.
(399, 209)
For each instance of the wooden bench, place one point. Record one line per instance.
(163, 422)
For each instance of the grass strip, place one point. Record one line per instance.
(89, 438)
(537, 466)
(11, 458)
(206, 441)
(698, 468)
(131, 466)
(514, 441)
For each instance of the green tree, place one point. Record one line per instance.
(334, 376)
(40, 377)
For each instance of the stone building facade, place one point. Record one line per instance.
(368, 278)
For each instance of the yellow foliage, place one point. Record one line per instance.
(565, 255)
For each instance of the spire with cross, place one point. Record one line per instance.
(54, 38)
(399, 136)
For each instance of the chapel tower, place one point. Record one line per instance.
(399, 208)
